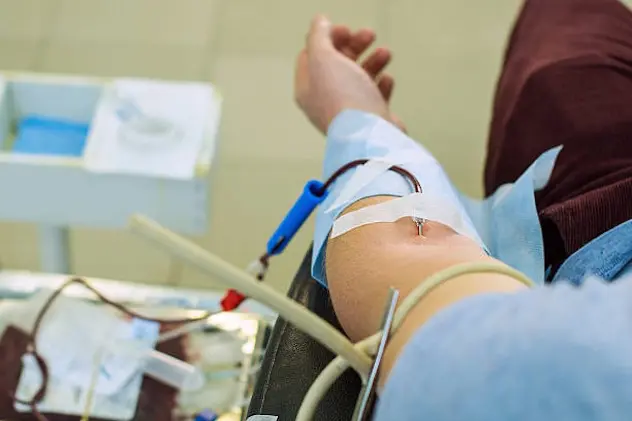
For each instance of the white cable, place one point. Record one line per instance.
(243, 282)
(368, 346)
(329, 375)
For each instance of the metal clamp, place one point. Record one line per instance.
(366, 400)
(420, 224)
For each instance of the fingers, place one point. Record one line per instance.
(320, 34)
(323, 34)
(386, 85)
(359, 42)
(376, 62)
(341, 36)
(353, 45)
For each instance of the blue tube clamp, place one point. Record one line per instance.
(312, 196)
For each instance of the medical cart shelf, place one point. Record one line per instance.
(57, 192)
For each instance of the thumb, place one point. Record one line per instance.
(319, 33)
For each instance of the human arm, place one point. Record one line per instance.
(477, 348)
(550, 353)
(362, 264)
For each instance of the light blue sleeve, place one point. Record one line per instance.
(553, 353)
(358, 135)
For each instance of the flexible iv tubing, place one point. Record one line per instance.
(357, 356)
(243, 282)
(368, 346)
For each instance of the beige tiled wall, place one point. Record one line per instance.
(446, 60)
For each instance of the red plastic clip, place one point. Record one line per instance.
(232, 300)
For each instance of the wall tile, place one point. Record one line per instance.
(19, 246)
(150, 60)
(117, 255)
(260, 119)
(278, 27)
(25, 19)
(161, 22)
(18, 54)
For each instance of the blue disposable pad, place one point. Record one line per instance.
(50, 136)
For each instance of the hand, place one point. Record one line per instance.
(353, 46)
(328, 79)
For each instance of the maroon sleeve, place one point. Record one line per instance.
(567, 80)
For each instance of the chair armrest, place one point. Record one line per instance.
(294, 359)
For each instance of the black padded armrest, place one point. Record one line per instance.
(293, 360)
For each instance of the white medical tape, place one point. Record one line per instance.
(416, 205)
(365, 174)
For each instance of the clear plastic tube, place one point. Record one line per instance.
(172, 371)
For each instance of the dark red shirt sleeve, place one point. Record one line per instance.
(567, 80)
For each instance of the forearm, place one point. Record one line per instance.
(555, 352)
(362, 264)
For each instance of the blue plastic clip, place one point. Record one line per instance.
(312, 196)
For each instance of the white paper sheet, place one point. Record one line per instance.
(117, 146)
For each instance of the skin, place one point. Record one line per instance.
(362, 264)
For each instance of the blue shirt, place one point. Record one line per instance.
(557, 352)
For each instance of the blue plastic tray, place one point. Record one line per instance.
(50, 136)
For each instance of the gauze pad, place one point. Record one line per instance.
(508, 219)
(505, 224)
